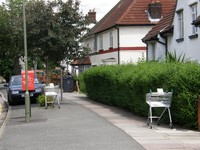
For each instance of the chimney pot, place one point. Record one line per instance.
(92, 16)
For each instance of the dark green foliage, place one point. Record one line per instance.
(126, 86)
(172, 57)
(54, 32)
(41, 100)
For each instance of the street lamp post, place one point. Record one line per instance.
(27, 98)
(61, 84)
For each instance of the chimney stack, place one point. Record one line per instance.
(155, 9)
(92, 16)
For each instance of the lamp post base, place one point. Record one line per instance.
(27, 107)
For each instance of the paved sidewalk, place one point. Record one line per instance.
(82, 124)
(159, 138)
(73, 127)
(3, 112)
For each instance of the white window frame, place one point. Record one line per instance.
(111, 39)
(194, 17)
(180, 24)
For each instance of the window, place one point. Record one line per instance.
(101, 42)
(180, 24)
(194, 17)
(111, 39)
(95, 44)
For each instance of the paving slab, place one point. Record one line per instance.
(73, 127)
(158, 138)
(70, 128)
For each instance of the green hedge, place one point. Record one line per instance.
(125, 86)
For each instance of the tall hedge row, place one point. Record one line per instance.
(126, 86)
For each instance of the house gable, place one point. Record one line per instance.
(177, 33)
(118, 34)
(130, 12)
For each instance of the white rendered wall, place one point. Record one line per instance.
(156, 50)
(189, 47)
(131, 36)
(89, 43)
(132, 56)
(96, 60)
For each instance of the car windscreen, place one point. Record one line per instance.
(36, 81)
(16, 81)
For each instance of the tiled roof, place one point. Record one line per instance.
(130, 12)
(83, 61)
(163, 26)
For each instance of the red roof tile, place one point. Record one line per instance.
(83, 61)
(164, 25)
(129, 12)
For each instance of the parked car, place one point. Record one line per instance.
(17, 95)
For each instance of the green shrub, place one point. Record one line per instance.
(126, 86)
(81, 83)
(41, 99)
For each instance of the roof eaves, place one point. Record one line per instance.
(151, 40)
(163, 27)
(120, 25)
(98, 26)
(81, 61)
(167, 30)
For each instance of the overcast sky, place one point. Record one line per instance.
(101, 6)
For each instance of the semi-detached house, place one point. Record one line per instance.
(116, 38)
(177, 32)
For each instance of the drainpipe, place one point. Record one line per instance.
(118, 44)
(166, 47)
(147, 51)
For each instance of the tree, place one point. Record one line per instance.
(72, 26)
(54, 30)
(11, 37)
(6, 53)
(57, 27)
